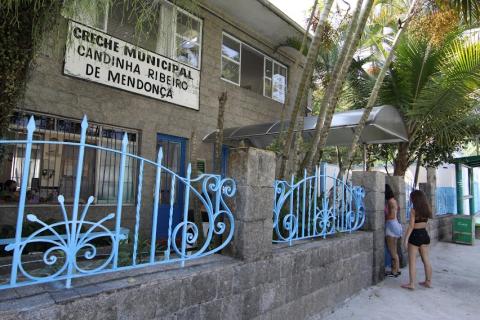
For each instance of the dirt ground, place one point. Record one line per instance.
(455, 292)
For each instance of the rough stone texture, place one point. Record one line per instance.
(293, 283)
(254, 172)
(440, 228)
(374, 184)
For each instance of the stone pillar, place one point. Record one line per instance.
(398, 186)
(254, 173)
(374, 184)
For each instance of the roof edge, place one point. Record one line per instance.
(270, 6)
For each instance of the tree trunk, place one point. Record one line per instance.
(197, 213)
(359, 19)
(304, 83)
(417, 171)
(222, 100)
(378, 83)
(292, 159)
(401, 161)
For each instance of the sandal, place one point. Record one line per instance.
(393, 275)
(407, 286)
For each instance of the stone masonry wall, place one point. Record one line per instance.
(294, 283)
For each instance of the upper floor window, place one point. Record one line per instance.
(250, 69)
(172, 32)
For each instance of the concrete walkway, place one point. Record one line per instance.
(455, 293)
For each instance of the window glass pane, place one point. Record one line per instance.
(268, 68)
(231, 48)
(230, 71)
(166, 36)
(188, 39)
(187, 52)
(268, 88)
(53, 166)
(188, 27)
(93, 16)
(122, 24)
(252, 70)
(279, 83)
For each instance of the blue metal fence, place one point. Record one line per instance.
(79, 245)
(316, 206)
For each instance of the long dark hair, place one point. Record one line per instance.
(388, 192)
(421, 205)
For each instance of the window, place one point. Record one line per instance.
(250, 69)
(53, 167)
(231, 59)
(174, 33)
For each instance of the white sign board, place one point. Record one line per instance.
(95, 56)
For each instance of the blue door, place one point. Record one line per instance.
(174, 154)
(224, 160)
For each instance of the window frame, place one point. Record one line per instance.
(265, 58)
(96, 140)
(200, 39)
(176, 9)
(239, 62)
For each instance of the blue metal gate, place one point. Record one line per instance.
(316, 206)
(79, 244)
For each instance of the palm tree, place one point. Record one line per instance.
(433, 87)
(469, 10)
(304, 83)
(378, 83)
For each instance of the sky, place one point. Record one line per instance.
(298, 9)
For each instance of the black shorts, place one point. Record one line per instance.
(419, 237)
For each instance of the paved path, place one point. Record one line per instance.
(455, 293)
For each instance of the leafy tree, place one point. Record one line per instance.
(433, 87)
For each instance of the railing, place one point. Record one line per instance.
(316, 206)
(79, 245)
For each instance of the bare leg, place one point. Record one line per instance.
(392, 248)
(412, 255)
(427, 265)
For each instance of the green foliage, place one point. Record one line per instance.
(433, 87)
(24, 24)
(21, 27)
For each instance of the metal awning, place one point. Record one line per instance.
(472, 162)
(384, 125)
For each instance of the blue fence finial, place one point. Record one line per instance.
(160, 155)
(125, 139)
(31, 124)
(84, 122)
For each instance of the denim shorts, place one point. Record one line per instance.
(393, 228)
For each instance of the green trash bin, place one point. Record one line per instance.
(464, 229)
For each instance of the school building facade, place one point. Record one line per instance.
(159, 88)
